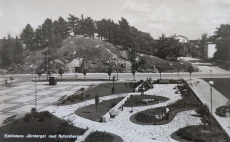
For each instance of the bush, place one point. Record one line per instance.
(99, 137)
(27, 117)
(63, 101)
(81, 96)
(203, 110)
(88, 96)
(71, 98)
(33, 111)
(41, 117)
(194, 133)
(46, 114)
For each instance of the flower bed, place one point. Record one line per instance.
(151, 115)
(143, 100)
(199, 133)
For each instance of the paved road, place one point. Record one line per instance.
(121, 76)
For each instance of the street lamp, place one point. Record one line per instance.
(179, 71)
(211, 84)
(211, 74)
(31, 68)
(35, 86)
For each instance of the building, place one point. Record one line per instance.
(179, 38)
(209, 50)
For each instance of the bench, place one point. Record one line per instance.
(9, 119)
(113, 113)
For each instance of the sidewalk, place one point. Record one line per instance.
(204, 66)
(203, 92)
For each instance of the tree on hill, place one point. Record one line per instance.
(125, 33)
(222, 32)
(73, 23)
(48, 33)
(171, 48)
(8, 47)
(61, 29)
(89, 26)
(222, 40)
(18, 51)
(28, 37)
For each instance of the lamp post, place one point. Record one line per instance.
(31, 68)
(35, 87)
(211, 84)
(117, 67)
(211, 74)
(179, 71)
(47, 64)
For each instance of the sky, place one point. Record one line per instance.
(190, 18)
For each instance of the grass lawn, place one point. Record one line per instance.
(165, 64)
(103, 90)
(90, 112)
(48, 126)
(221, 84)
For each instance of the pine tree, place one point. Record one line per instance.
(73, 23)
(18, 51)
(27, 36)
(8, 50)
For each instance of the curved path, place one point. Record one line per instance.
(123, 127)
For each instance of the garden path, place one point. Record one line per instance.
(123, 127)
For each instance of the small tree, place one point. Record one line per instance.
(11, 79)
(39, 73)
(96, 101)
(113, 90)
(61, 71)
(109, 72)
(160, 71)
(82, 90)
(84, 72)
(133, 72)
(191, 69)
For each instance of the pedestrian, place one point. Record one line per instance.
(167, 113)
(6, 82)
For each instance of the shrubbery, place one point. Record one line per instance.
(27, 117)
(99, 137)
(194, 133)
(40, 115)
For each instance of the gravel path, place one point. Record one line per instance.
(123, 127)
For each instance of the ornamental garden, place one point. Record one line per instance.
(146, 110)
